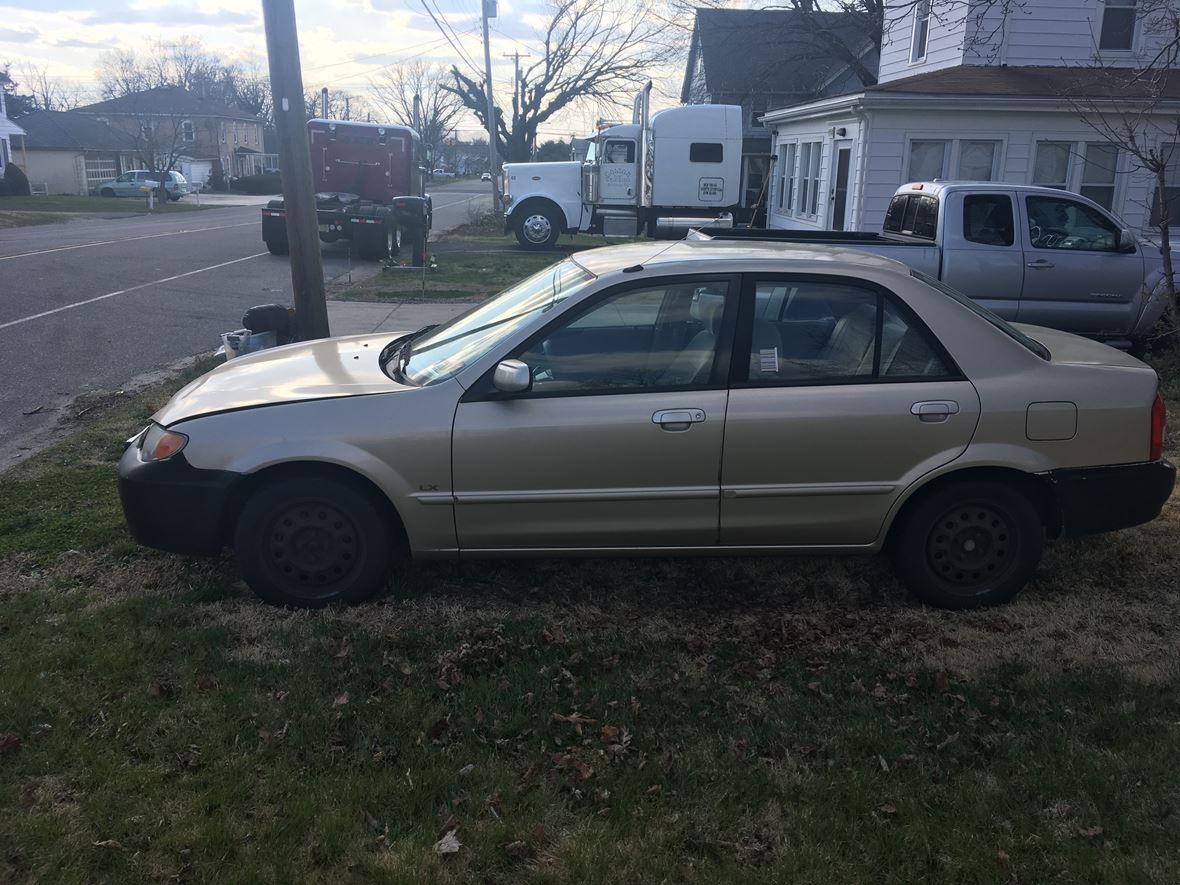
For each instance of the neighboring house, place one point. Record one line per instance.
(206, 135)
(73, 153)
(764, 59)
(8, 131)
(982, 95)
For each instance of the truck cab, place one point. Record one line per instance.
(661, 174)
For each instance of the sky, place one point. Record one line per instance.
(343, 43)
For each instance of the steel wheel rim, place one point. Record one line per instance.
(971, 546)
(537, 229)
(312, 548)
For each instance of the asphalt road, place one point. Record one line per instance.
(90, 304)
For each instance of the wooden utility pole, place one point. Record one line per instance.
(290, 114)
(489, 11)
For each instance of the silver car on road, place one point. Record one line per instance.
(695, 398)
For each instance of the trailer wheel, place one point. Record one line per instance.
(418, 247)
(537, 225)
(374, 244)
(277, 247)
(393, 240)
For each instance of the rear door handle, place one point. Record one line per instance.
(934, 411)
(677, 420)
(1040, 264)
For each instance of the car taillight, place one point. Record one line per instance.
(1159, 418)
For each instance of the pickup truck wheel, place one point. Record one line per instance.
(277, 247)
(969, 544)
(537, 227)
(307, 542)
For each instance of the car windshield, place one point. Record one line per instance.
(978, 309)
(448, 349)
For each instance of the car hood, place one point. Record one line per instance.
(324, 369)
(1067, 348)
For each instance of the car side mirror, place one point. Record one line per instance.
(512, 376)
(1126, 241)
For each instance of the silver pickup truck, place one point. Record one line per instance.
(1032, 254)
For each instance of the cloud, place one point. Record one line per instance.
(171, 16)
(77, 43)
(8, 35)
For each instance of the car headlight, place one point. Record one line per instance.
(160, 444)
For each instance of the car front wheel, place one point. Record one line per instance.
(969, 544)
(307, 542)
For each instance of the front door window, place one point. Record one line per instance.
(1056, 223)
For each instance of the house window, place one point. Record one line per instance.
(3, 152)
(1118, 25)
(145, 130)
(1051, 164)
(927, 159)
(921, 30)
(786, 177)
(977, 160)
(1098, 173)
(704, 152)
(756, 119)
(809, 157)
(188, 131)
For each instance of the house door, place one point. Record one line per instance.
(840, 190)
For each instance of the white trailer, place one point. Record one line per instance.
(660, 174)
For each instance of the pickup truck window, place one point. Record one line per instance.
(912, 215)
(987, 219)
(981, 311)
(1060, 223)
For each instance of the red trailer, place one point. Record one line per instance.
(369, 180)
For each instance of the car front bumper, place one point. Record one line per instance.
(173, 506)
(1103, 499)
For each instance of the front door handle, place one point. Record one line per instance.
(934, 411)
(677, 420)
(1040, 264)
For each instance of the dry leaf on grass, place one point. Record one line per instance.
(448, 844)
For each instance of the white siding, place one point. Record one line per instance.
(1031, 32)
(944, 46)
(891, 132)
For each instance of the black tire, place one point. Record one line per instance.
(969, 544)
(418, 247)
(106, 192)
(277, 247)
(537, 226)
(307, 542)
(377, 245)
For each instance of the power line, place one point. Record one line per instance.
(447, 31)
(438, 41)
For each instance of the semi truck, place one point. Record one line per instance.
(660, 174)
(369, 180)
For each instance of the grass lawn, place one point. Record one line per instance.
(771, 720)
(21, 211)
(478, 260)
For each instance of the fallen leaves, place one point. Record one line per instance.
(448, 844)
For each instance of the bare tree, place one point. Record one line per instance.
(592, 51)
(1137, 111)
(249, 84)
(342, 105)
(394, 90)
(49, 94)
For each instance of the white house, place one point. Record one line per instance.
(7, 130)
(985, 92)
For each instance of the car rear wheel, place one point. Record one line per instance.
(307, 542)
(106, 192)
(969, 544)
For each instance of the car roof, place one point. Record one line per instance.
(729, 256)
